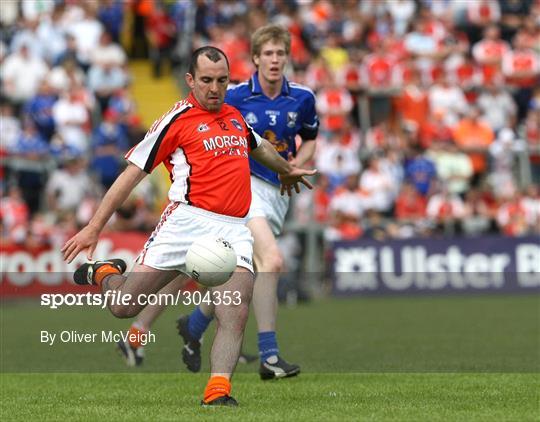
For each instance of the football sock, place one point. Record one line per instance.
(217, 386)
(134, 335)
(104, 271)
(268, 346)
(198, 323)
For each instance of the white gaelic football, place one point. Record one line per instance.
(210, 260)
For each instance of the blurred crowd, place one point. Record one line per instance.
(429, 109)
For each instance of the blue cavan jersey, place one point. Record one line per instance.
(279, 120)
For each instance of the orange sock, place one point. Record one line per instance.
(134, 336)
(217, 387)
(104, 271)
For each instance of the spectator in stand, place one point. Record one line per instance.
(434, 130)
(377, 79)
(39, 110)
(111, 15)
(108, 51)
(375, 226)
(448, 99)
(10, 127)
(387, 134)
(39, 231)
(14, 216)
(530, 32)
(446, 209)
(463, 72)
(69, 185)
(514, 13)
(349, 199)
(489, 53)
(512, 216)
(521, 67)
(71, 53)
(474, 136)
(33, 9)
(22, 74)
(30, 174)
(63, 77)
(392, 164)
(401, 11)
(410, 204)
(51, 33)
(160, 31)
(109, 143)
(497, 106)
(104, 78)
(72, 120)
(480, 14)
(27, 35)
(321, 200)
(422, 45)
(478, 218)
(420, 172)
(531, 205)
(531, 133)
(377, 68)
(454, 167)
(503, 156)
(87, 31)
(234, 41)
(346, 207)
(352, 80)
(378, 186)
(336, 161)
(412, 105)
(313, 205)
(334, 105)
(318, 73)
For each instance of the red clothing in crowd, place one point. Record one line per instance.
(377, 71)
(410, 206)
(518, 61)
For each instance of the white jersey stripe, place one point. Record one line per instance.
(181, 170)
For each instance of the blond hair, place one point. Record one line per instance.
(267, 33)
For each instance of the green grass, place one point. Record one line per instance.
(430, 358)
(414, 397)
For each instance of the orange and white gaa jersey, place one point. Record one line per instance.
(205, 153)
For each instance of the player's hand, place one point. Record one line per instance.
(292, 159)
(87, 239)
(293, 178)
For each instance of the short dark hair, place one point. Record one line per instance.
(213, 53)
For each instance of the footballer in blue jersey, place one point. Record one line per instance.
(278, 119)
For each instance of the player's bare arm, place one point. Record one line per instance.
(87, 238)
(289, 175)
(305, 153)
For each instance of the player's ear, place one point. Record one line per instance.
(190, 80)
(256, 60)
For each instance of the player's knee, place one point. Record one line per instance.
(272, 262)
(232, 318)
(120, 311)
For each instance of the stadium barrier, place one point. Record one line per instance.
(431, 266)
(27, 272)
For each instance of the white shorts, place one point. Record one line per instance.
(267, 202)
(181, 224)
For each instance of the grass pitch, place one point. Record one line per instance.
(439, 358)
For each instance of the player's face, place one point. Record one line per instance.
(209, 84)
(271, 61)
